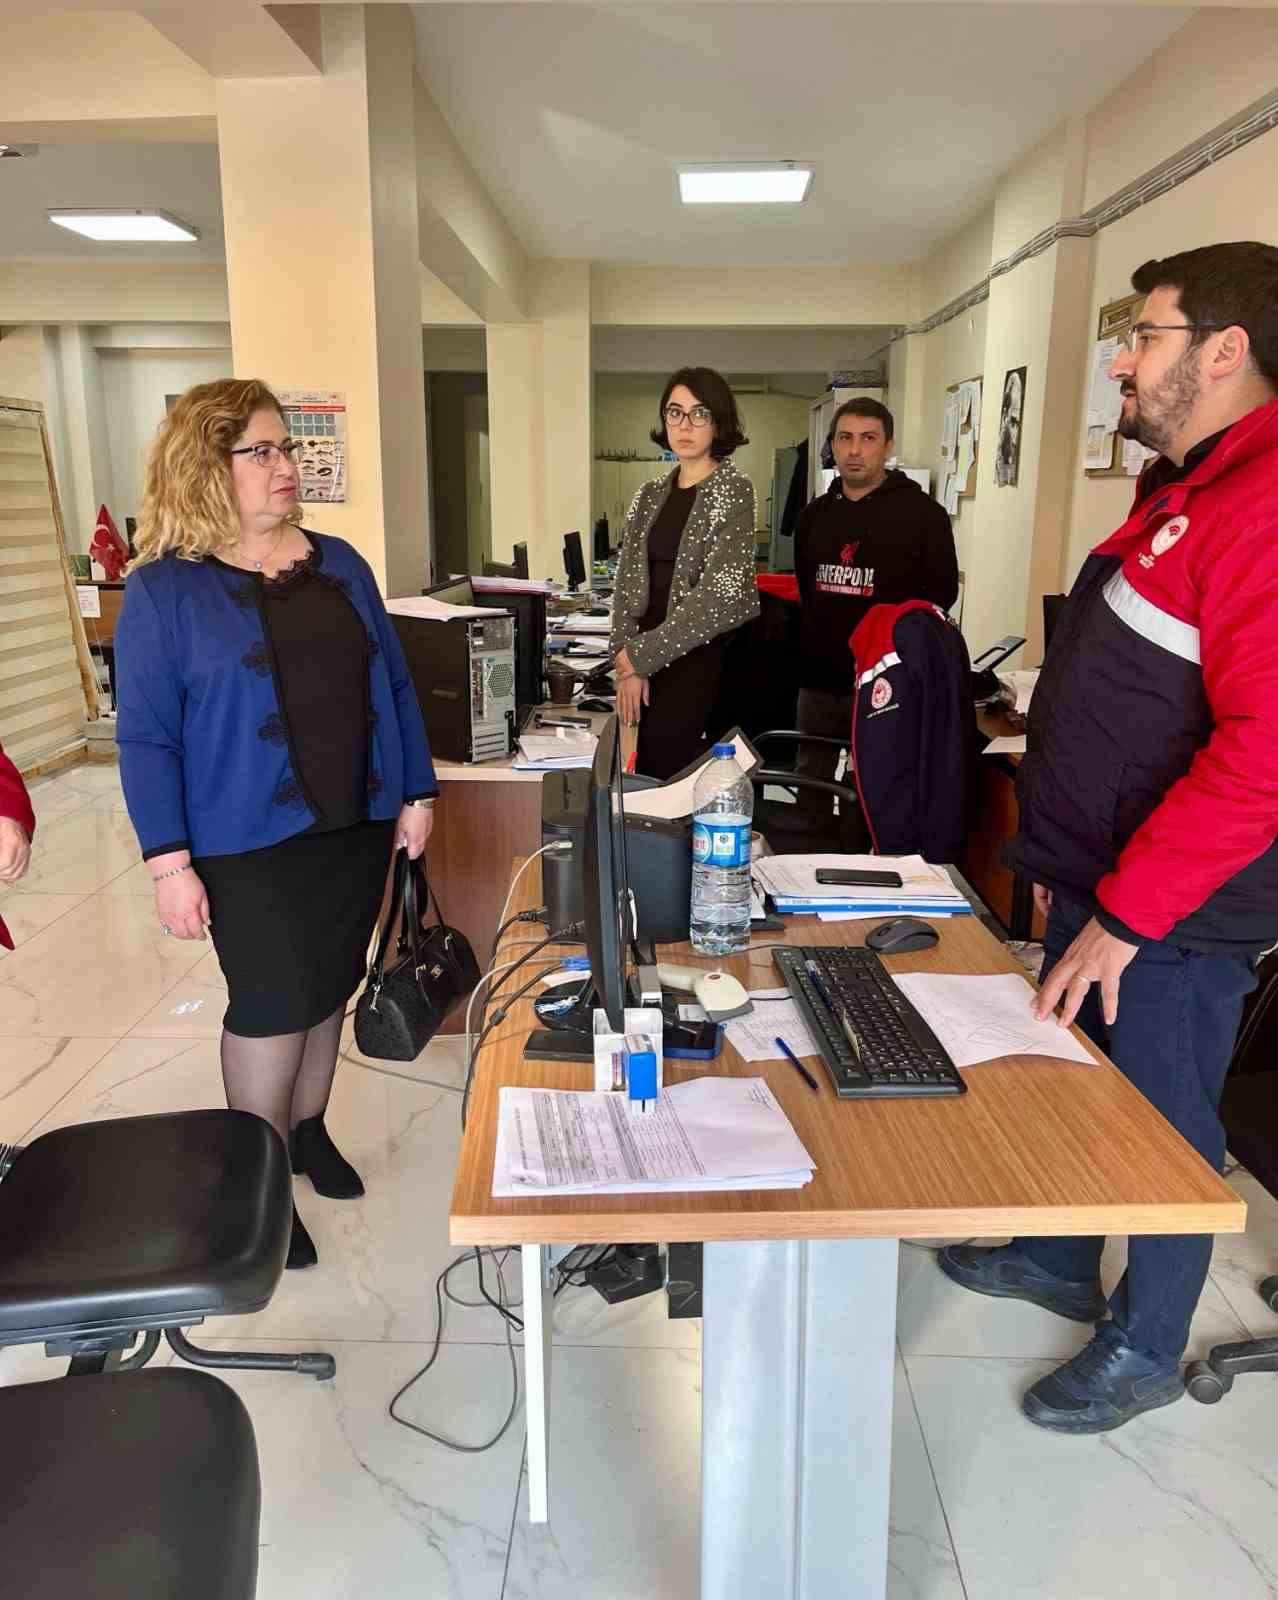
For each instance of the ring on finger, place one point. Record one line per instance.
(165, 929)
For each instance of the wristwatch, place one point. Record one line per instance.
(422, 805)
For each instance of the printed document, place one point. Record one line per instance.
(981, 1019)
(706, 1133)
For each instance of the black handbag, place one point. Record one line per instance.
(435, 968)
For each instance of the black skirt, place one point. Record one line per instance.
(291, 924)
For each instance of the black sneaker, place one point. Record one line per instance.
(1106, 1384)
(1007, 1273)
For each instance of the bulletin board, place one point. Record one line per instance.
(960, 442)
(1103, 457)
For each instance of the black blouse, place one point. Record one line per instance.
(321, 663)
(664, 539)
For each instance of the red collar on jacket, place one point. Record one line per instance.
(873, 637)
(1253, 435)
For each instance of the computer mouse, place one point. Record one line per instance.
(599, 611)
(595, 705)
(899, 935)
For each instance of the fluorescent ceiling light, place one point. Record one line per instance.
(745, 183)
(127, 224)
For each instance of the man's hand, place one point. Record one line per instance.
(15, 850)
(1042, 901)
(623, 665)
(632, 696)
(1094, 957)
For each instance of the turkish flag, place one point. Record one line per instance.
(108, 549)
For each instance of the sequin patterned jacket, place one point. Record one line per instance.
(713, 589)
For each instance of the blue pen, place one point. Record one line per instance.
(798, 1065)
(818, 983)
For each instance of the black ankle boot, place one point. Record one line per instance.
(315, 1154)
(301, 1247)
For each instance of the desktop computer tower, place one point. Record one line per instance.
(464, 673)
(530, 642)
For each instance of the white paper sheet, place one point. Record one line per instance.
(982, 1019)
(950, 427)
(706, 1133)
(580, 623)
(672, 800)
(1021, 683)
(1105, 397)
(793, 877)
(1135, 456)
(1008, 744)
(966, 455)
(425, 605)
(555, 749)
(754, 1036)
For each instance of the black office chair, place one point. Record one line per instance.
(1249, 1110)
(119, 1487)
(141, 1226)
(776, 820)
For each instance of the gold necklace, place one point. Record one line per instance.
(257, 565)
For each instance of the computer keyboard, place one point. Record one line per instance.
(873, 1042)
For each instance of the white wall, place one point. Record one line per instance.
(135, 383)
(22, 365)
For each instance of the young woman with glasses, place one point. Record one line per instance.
(686, 578)
(272, 753)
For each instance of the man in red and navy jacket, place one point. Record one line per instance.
(1149, 796)
(17, 825)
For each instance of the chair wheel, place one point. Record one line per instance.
(1269, 1293)
(1205, 1384)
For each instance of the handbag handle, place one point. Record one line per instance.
(412, 915)
(401, 909)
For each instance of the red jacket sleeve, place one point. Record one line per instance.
(1223, 813)
(14, 799)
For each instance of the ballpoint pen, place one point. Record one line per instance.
(798, 1065)
(818, 983)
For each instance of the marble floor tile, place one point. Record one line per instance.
(921, 1560)
(36, 1074)
(27, 913)
(1179, 1503)
(442, 1063)
(936, 1317)
(193, 1007)
(58, 797)
(98, 777)
(97, 970)
(1241, 1260)
(354, 1506)
(625, 1482)
(133, 880)
(138, 1077)
(78, 854)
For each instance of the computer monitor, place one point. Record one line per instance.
(520, 561)
(603, 540)
(574, 561)
(453, 592)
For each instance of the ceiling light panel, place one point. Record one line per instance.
(124, 224)
(745, 183)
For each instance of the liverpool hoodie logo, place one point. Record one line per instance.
(842, 577)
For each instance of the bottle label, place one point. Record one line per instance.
(721, 844)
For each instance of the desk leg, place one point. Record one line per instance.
(798, 1349)
(538, 1314)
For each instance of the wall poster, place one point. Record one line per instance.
(317, 419)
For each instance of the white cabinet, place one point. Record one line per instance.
(615, 484)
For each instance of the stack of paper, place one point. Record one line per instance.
(425, 605)
(555, 750)
(707, 1133)
(1018, 689)
(926, 890)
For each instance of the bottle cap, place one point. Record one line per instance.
(724, 750)
(575, 963)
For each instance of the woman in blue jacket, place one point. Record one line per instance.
(271, 750)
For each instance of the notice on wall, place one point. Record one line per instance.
(316, 418)
(90, 598)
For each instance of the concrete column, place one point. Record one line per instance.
(516, 433)
(90, 481)
(319, 192)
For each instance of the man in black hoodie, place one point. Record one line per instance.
(874, 537)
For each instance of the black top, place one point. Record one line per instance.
(663, 551)
(892, 545)
(320, 652)
(1159, 473)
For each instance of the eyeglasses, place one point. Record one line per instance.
(1135, 335)
(698, 416)
(266, 454)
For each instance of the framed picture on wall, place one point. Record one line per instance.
(1007, 458)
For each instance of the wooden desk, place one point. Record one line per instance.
(800, 1285)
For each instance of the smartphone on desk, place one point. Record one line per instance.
(856, 878)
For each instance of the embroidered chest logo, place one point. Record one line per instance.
(1169, 534)
(881, 694)
(842, 577)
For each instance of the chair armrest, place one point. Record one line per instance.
(781, 778)
(794, 736)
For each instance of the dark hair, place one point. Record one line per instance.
(865, 407)
(1220, 285)
(713, 391)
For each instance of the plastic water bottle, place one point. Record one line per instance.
(722, 811)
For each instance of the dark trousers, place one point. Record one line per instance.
(672, 727)
(1178, 1016)
(828, 714)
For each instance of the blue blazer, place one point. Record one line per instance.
(204, 758)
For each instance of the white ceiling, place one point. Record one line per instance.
(575, 115)
(182, 178)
